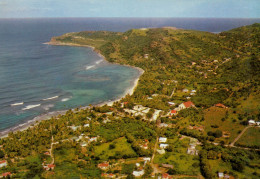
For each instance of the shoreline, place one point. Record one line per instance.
(31, 123)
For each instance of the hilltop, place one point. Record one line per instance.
(189, 116)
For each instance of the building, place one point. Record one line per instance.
(161, 151)
(6, 174)
(221, 105)
(138, 173)
(171, 103)
(220, 175)
(147, 159)
(185, 105)
(103, 166)
(185, 90)
(3, 163)
(166, 176)
(164, 146)
(162, 139)
(173, 112)
(251, 122)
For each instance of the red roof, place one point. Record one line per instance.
(51, 165)
(165, 175)
(220, 105)
(188, 104)
(6, 174)
(173, 111)
(103, 165)
(3, 161)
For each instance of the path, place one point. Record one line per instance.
(52, 157)
(236, 139)
(154, 150)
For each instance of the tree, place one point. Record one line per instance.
(2, 154)
(147, 170)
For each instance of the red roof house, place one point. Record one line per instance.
(188, 104)
(166, 176)
(220, 105)
(6, 174)
(173, 112)
(103, 166)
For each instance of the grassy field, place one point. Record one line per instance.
(213, 117)
(220, 166)
(182, 162)
(250, 138)
(121, 147)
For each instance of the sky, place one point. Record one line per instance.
(130, 8)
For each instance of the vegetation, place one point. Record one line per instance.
(219, 73)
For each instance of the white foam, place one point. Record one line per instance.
(31, 106)
(98, 62)
(47, 107)
(65, 99)
(89, 67)
(17, 104)
(54, 97)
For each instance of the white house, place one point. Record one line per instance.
(3, 163)
(251, 122)
(164, 146)
(161, 151)
(86, 125)
(147, 159)
(162, 139)
(220, 175)
(138, 173)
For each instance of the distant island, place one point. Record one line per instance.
(194, 113)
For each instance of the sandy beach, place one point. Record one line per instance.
(47, 116)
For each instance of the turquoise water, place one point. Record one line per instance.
(36, 78)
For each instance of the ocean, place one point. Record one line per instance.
(36, 78)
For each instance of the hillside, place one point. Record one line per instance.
(197, 94)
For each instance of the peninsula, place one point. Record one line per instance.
(193, 114)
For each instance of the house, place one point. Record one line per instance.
(162, 139)
(51, 166)
(166, 176)
(161, 151)
(221, 105)
(185, 105)
(3, 163)
(74, 128)
(171, 103)
(185, 90)
(163, 125)
(251, 122)
(138, 173)
(93, 139)
(193, 91)
(110, 175)
(220, 175)
(164, 146)
(84, 144)
(146, 56)
(103, 166)
(86, 125)
(167, 166)
(47, 153)
(258, 123)
(173, 112)
(147, 159)
(145, 146)
(6, 174)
